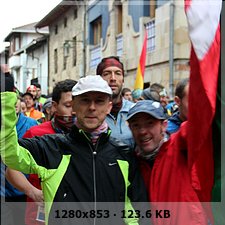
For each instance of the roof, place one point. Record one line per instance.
(53, 15)
(28, 28)
(36, 43)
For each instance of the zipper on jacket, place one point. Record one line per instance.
(93, 149)
(94, 154)
(94, 180)
(121, 120)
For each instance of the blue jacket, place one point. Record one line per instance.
(174, 123)
(119, 126)
(23, 124)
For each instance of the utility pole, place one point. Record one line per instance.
(84, 39)
(171, 48)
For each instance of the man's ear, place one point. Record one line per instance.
(54, 106)
(164, 125)
(177, 100)
(110, 107)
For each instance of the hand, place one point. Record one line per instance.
(36, 195)
(6, 82)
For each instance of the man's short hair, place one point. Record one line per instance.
(159, 88)
(60, 87)
(125, 90)
(37, 85)
(107, 62)
(29, 94)
(179, 91)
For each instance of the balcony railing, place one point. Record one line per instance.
(150, 28)
(14, 62)
(119, 45)
(95, 56)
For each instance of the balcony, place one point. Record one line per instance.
(95, 56)
(14, 62)
(119, 45)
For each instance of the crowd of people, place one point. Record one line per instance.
(94, 141)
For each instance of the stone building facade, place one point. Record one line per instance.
(82, 32)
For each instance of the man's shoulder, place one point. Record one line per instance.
(42, 100)
(27, 119)
(41, 129)
(174, 123)
(120, 145)
(127, 105)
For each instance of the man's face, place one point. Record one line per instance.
(18, 106)
(164, 100)
(64, 106)
(29, 101)
(128, 95)
(33, 91)
(91, 109)
(38, 92)
(23, 107)
(183, 104)
(147, 131)
(114, 76)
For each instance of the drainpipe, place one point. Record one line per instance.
(47, 40)
(84, 39)
(171, 49)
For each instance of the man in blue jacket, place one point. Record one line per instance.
(181, 100)
(111, 70)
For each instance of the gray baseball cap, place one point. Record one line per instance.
(150, 107)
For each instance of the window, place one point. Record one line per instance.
(152, 8)
(65, 22)
(120, 19)
(150, 28)
(74, 51)
(17, 43)
(64, 62)
(75, 13)
(55, 61)
(97, 31)
(56, 29)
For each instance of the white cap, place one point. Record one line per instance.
(91, 83)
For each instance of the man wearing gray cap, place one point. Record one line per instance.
(85, 165)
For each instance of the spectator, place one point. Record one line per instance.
(39, 97)
(147, 94)
(31, 111)
(112, 71)
(164, 98)
(86, 165)
(23, 106)
(33, 90)
(137, 95)
(181, 100)
(126, 93)
(47, 111)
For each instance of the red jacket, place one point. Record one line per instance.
(169, 186)
(31, 209)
